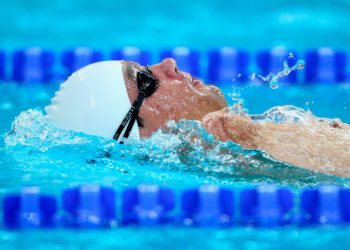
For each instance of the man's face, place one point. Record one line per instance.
(178, 96)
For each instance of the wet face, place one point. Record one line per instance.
(179, 96)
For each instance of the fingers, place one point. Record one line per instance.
(214, 124)
(225, 125)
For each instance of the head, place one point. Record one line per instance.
(179, 96)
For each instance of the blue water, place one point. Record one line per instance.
(200, 24)
(37, 154)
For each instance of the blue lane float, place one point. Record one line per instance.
(147, 205)
(272, 61)
(92, 206)
(33, 65)
(132, 54)
(325, 205)
(266, 206)
(207, 206)
(325, 65)
(29, 209)
(2, 65)
(77, 58)
(227, 65)
(187, 60)
(89, 206)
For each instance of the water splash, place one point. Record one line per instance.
(293, 114)
(31, 128)
(252, 77)
(285, 114)
(273, 79)
(238, 102)
(184, 146)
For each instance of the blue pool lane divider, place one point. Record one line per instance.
(226, 65)
(29, 209)
(89, 206)
(33, 65)
(2, 65)
(187, 60)
(132, 54)
(77, 58)
(147, 205)
(266, 206)
(329, 205)
(325, 65)
(207, 206)
(92, 206)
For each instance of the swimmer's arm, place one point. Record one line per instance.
(323, 149)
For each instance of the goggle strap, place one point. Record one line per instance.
(133, 118)
(130, 118)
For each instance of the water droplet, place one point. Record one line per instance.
(252, 76)
(273, 85)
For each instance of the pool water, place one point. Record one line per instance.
(169, 238)
(199, 24)
(35, 153)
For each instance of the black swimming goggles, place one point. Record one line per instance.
(147, 84)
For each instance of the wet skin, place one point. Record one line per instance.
(317, 146)
(179, 96)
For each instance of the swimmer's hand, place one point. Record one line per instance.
(225, 125)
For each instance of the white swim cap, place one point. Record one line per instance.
(93, 100)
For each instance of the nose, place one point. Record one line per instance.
(169, 67)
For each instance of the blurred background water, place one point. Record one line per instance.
(157, 24)
(154, 25)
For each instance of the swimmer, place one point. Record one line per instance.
(176, 95)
